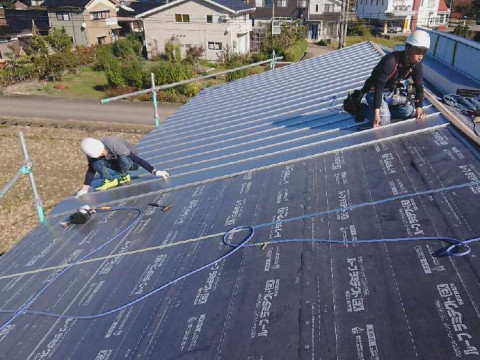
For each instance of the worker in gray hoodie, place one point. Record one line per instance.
(111, 156)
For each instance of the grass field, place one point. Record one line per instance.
(85, 83)
(352, 40)
(58, 166)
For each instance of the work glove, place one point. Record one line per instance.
(161, 173)
(81, 192)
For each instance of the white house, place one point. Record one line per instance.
(211, 24)
(432, 13)
(392, 13)
(323, 19)
(404, 15)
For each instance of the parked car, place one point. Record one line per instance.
(394, 29)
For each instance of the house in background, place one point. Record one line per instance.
(18, 26)
(323, 19)
(404, 15)
(431, 13)
(215, 25)
(127, 16)
(394, 14)
(279, 10)
(88, 22)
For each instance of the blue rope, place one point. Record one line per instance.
(454, 249)
(27, 304)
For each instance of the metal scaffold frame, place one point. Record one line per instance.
(26, 170)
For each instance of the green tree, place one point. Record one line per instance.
(476, 9)
(59, 40)
(38, 46)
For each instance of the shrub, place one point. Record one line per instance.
(137, 43)
(132, 73)
(38, 46)
(123, 48)
(296, 51)
(167, 73)
(59, 40)
(195, 53)
(113, 72)
(463, 31)
(172, 51)
(358, 29)
(104, 57)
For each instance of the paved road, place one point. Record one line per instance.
(314, 50)
(28, 106)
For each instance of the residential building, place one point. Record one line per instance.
(432, 13)
(391, 14)
(18, 26)
(88, 22)
(404, 15)
(126, 16)
(265, 10)
(215, 25)
(323, 19)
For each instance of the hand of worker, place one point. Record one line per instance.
(376, 118)
(419, 115)
(161, 173)
(82, 191)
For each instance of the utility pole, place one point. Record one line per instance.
(345, 29)
(340, 32)
(273, 16)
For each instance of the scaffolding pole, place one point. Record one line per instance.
(26, 170)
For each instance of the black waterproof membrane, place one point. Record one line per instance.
(294, 300)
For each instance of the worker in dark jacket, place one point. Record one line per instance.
(110, 156)
(386, 76)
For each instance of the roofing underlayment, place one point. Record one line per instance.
(275, 153)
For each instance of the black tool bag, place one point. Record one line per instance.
(352, 104)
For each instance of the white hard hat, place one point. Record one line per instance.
(419, 39)
(92, 147)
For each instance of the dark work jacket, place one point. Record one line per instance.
(388, 71)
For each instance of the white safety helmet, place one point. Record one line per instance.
(92, 147)
(419, 39)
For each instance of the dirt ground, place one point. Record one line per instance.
(58, 166)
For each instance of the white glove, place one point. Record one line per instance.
(81, 192)
(161, 173)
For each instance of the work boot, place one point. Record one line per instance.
(107, 184)
(124, 179)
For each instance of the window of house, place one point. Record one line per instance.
(281, 3)
(377, 3)
(316, 8)
(63, 16)
(182, 18)
(329, 7)
(99, 15)
(268, 3)
(101, 40)
(214, 45)
(431, 3)
(213, 19)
